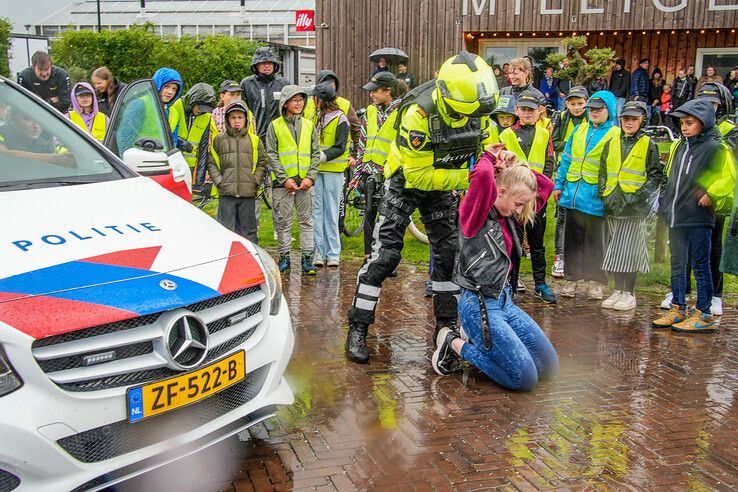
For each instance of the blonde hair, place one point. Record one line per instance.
(523, 64)
(516, 180)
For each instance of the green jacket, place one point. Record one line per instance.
(232, 165)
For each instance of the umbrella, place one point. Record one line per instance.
(393, 56)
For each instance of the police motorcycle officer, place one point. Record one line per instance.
(443, 126)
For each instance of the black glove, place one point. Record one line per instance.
(184, 145)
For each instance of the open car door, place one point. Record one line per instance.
(139, 134)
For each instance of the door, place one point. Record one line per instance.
(139, 134)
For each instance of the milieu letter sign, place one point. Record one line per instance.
(305, 20)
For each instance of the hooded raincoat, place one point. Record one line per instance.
(259, 91)
(343, 104)
(580, 195)
(174, 108)
(95, 122)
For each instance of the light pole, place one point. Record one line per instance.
(99, 23)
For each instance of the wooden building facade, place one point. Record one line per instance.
(672, 33)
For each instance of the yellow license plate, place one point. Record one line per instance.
(162, 396)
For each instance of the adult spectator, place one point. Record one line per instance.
(107, 89)
(47, 81)
(620, 85)
(501, 78)
(710, 75)
(693, 78)
(681, 90)
(550, 88)
(405, 76)
(381, 67)
(655, 90)
(259, 89)
(640, 82)
(521, 78)
(597, 84)
(506, 73)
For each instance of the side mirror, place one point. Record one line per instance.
(146, 163)
(149, 144)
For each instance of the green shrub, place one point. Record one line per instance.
(137, 52)
(5, 27)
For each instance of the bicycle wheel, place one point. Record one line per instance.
(351, 212)
(266, 195)
(417, 229)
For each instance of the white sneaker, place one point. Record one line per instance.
(716, 308)
(332, 263)
(626, 302)
(521, 286)
(594, 291)
(557, 271)
(569, 289)
(666, 303)
(319, 262)
(610, 301)
(463, 334)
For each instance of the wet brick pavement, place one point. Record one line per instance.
(632, 408)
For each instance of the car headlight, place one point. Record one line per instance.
(273, 278)
(9, 380)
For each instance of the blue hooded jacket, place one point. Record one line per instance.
(579, 195)
(162, 77)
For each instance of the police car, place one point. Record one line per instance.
(134, 329)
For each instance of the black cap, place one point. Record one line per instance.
(527, 99)
(381, 79)
(596, 103)
(578, 91)
(325, 92)
(635, 108)
(81, 89)
(230, 86)
(708, 93)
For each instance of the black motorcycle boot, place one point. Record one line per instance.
(356, 349)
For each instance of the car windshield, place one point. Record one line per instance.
(38, 149)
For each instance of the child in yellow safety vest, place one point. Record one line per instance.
(334, 133)
(531, 142)
(294, 155)
(630, 176)
(237, 163)
(85, 113)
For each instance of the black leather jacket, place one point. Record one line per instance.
(482, 263)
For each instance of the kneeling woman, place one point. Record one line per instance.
(501, 339)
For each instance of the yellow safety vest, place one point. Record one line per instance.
(569, 128)
(378, 140)
(327, 140)
(586, 165)
(294, 156)
(311, 111)
(99, 124)
(725, 127)
(177, 119)
(629, 174)
(543, 122)
(194, 135)
(538, 149)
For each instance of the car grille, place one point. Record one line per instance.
(8, 481)
(132, 344)
(123, 437)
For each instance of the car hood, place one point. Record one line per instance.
(85, 255)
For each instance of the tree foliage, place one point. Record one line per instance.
(137, 52)
(595, 63)
(5, 27)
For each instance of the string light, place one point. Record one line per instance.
(702, 31)
(494, 34)
(508, 34)
(534, 35)
(615, 33)
(587, 34)
(673, 32)
(548, 33)
(631, 32)
(643, 33)
(658, 32)
(602, 33)
(561, 34)
(521, 34)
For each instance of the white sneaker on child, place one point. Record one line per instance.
(610, 301)
(626, 302)
(716, 308)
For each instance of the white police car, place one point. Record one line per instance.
(134, 329)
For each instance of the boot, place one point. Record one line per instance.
(308, 268)
(284, 262)
(356, 342)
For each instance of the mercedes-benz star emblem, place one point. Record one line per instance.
(167, 284)
(187, 341)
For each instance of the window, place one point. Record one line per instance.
(499, 52)
(723, 59)
(39, 149)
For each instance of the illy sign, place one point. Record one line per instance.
(305, 20)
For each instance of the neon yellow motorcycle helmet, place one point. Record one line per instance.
(467, 84)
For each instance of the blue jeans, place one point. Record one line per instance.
(620, 102)
(520, 355)
(685, 244)
(328, 188)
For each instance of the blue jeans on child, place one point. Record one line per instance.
(328, 188)
(685, 244)
(520, 355)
